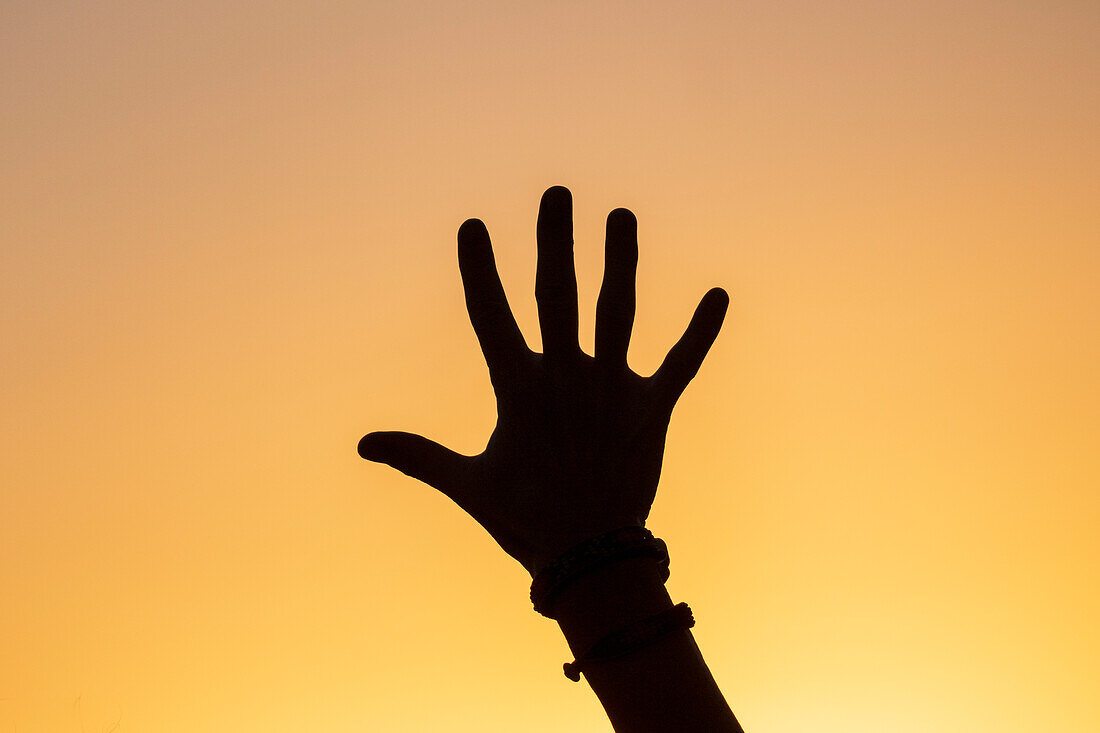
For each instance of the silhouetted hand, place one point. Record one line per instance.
(579, 440)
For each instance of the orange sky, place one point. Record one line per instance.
(228, 251)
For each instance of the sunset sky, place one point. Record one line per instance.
(227, 251)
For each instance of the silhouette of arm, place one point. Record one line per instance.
(577, 452)
(665, 686)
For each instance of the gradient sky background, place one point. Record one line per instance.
(228, 251)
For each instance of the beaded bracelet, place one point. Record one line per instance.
(592, 554)
(633, 637)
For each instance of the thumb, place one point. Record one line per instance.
(416, 456)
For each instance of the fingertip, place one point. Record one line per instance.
(368, 447)
(554, 228)
(622, 229)
(473, 244)
(720, 301)
(471, 229)
(557, 195)
(622, 217)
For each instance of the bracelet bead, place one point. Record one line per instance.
(633, 637)
(592, 554)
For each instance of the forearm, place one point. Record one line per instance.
(664, 686)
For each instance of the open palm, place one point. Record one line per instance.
(579, 439)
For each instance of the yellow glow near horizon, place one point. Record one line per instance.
(228, 251)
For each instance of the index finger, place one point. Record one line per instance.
(500, 338)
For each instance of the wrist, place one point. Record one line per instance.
(596, 552)
(609, 598)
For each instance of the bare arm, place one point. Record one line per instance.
(577, 452)
(662, 687)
